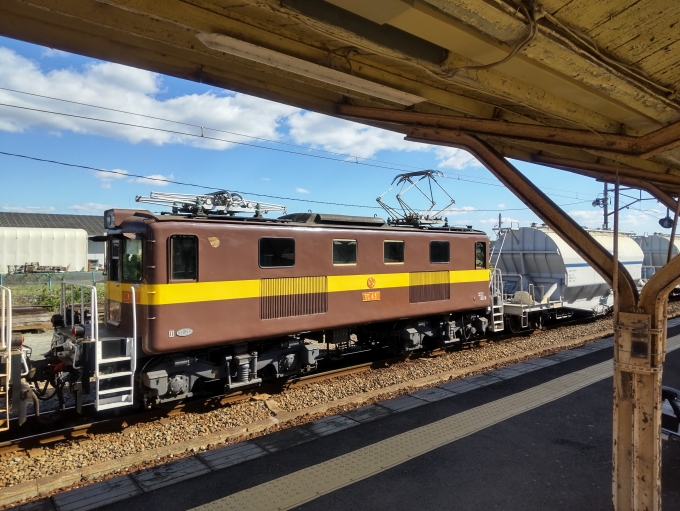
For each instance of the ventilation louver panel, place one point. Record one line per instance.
(429, 286)
(296, 296)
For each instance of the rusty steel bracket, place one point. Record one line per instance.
(637, 369)
(635, 350)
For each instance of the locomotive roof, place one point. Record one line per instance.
(308, 219)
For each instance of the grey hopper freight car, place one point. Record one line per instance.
(541, 273)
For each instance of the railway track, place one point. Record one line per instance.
(74, 426)
(83, 429)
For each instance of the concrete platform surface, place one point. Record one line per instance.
(533, 436)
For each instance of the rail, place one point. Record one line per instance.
(200, 405)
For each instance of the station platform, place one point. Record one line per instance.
(532, 436)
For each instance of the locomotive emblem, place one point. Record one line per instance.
(370, 282)
(214, 241)
(184, 332)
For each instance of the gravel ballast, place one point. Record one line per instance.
(20, 467)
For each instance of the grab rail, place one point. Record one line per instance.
(6, 321)
(94, 313)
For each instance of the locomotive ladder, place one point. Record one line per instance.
(5, 355)
(115, 387)
(496, 291)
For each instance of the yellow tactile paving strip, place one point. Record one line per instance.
(295, 489)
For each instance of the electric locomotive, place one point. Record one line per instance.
(198, 301)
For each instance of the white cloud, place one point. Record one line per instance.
(51, 52)
(28, 209)
(501, 205)
(155, 179)
(134, 90)
(107, 178)
(302, 190)
(125, 88)
(90, 207)
(450, 157)
(339, 135)
(265, 179)
(631, 220)
(590, 218)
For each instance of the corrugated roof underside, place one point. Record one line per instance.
(93, 224)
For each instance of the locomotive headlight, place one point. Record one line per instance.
(109, 220)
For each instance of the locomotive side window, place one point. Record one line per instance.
(184, 258)
(344, 251)
(480, 255)
(439, 252)
(394, 252)
(114, 262)
(132, 261)
(277, 252)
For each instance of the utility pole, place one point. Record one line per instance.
(605, 225)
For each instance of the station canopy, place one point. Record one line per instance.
(582, 85)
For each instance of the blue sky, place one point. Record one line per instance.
(44, 187)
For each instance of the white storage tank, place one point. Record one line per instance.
(655, 250)
(48, 247)
(543, 259)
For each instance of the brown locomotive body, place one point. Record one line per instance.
(231, 294)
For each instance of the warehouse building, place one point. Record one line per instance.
(51, 241)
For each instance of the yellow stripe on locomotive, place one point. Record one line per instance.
(190, 292)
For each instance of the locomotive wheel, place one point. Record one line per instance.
(515, 324)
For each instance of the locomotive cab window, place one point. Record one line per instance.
(132, 260)
(439, 252)
(344, 252)
(124, 262)
(480, 255)
(113, 265)
(277, 252)
(183, 257)
(393, 252)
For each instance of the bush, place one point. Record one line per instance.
(49, 298)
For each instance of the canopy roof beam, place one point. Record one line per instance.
(645, 146)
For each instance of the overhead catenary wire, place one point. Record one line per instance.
(194, 135)
(183, 183)
(203, 128)
(202, 136)
(170, 181)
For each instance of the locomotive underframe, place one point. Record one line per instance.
(165, 378)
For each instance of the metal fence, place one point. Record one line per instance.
(51, 279)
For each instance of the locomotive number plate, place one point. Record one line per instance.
(370, 296)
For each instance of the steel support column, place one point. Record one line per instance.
(640, 335)
(638, 365)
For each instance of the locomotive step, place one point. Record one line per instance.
(116, 359)
(108, 406)
(113, 391)
(114, 375)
